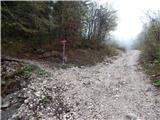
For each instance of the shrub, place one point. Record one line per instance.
(150, 47)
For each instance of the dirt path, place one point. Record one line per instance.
(106, 91)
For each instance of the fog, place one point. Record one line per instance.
(131, 16)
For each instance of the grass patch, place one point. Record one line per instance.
(28, 70)
(157, 83)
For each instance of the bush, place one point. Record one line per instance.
(150, 47)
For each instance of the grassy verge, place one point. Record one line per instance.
(150, 46)
(152, 69)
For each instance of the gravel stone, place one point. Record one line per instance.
(88, 93)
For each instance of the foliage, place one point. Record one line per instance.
(28, 20)
(28, 70)
(150, 46)
(99, 21)
(157, 83)
(81, 23)
(68, 16)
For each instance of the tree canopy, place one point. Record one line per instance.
(79, 22)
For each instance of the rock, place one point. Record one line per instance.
(149, 89)
(132, 116)
(5, 104)
(116, 97)
(41, 51)
(3, 82)
(26, 101)
(38, 94)
(43, 96)
(30, 105)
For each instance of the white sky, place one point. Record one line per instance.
(130, 14)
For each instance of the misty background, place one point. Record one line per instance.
(131, 18)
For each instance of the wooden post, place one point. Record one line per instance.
(63, 52)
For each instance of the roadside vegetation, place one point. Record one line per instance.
(15, 75)
(150, 47)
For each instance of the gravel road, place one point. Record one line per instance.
(118, 90)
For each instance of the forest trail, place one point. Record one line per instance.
(107, 91)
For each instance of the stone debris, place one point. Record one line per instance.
(5, 104)
(89, 93)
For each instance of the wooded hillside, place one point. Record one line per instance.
(39, 24)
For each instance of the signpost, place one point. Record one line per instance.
(63, 41)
